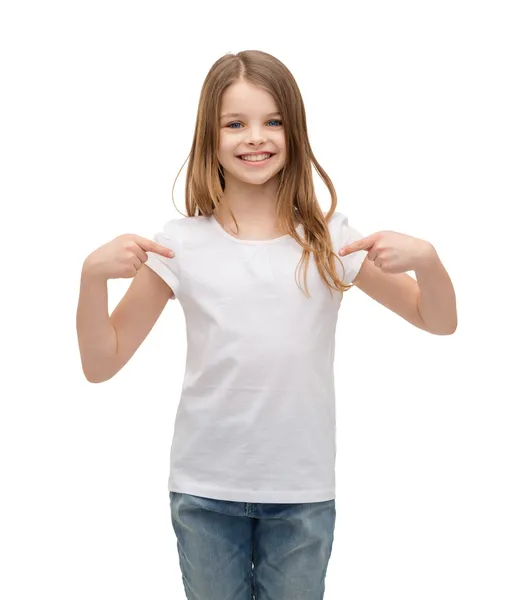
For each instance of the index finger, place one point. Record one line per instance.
(151, 246)
(362, 244)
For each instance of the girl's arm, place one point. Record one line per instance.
(96, 335)
(108, 343)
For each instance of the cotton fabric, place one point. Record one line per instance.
(256, 417)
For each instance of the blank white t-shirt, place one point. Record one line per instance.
(256, 417)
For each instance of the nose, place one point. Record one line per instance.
(255, 135)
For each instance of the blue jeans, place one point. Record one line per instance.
(242, 551)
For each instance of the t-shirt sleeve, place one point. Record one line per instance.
(167, 268)
(343, 234)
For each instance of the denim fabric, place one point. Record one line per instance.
(243, 551)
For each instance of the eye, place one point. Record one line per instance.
(237, 122)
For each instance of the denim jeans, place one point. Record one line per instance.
(242, 551)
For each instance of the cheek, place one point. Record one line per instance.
(226, 143)
(226, 148)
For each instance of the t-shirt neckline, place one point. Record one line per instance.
(240, 241)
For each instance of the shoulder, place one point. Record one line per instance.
(338, 220)
(340, 229)
(185, 230)
(342, 233)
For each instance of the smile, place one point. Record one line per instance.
(255, 162)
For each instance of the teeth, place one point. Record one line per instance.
(256, 158)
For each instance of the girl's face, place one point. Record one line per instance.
(254, 127)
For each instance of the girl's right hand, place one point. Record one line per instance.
(122, 257)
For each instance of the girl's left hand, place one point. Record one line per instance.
(392, 252)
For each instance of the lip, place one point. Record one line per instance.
(257, 163)
(256, 153)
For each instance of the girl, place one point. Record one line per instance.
(252, 483)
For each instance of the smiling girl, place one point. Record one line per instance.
(252, 481)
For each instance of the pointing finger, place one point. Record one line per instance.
(151, 246)
(362, 244)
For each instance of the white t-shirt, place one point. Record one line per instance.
(256, 417)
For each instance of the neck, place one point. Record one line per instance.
(250, 203)
(253, 206)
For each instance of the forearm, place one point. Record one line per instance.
(437, 300)
(96, 335)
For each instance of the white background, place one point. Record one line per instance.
(406, 113)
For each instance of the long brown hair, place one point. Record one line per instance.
(296, 198)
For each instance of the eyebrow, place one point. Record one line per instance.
(272, 114)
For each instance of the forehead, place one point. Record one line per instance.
(245, 98)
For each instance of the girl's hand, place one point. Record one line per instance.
(122, 257)
(392, 252)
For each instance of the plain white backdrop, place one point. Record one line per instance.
(406, 112)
